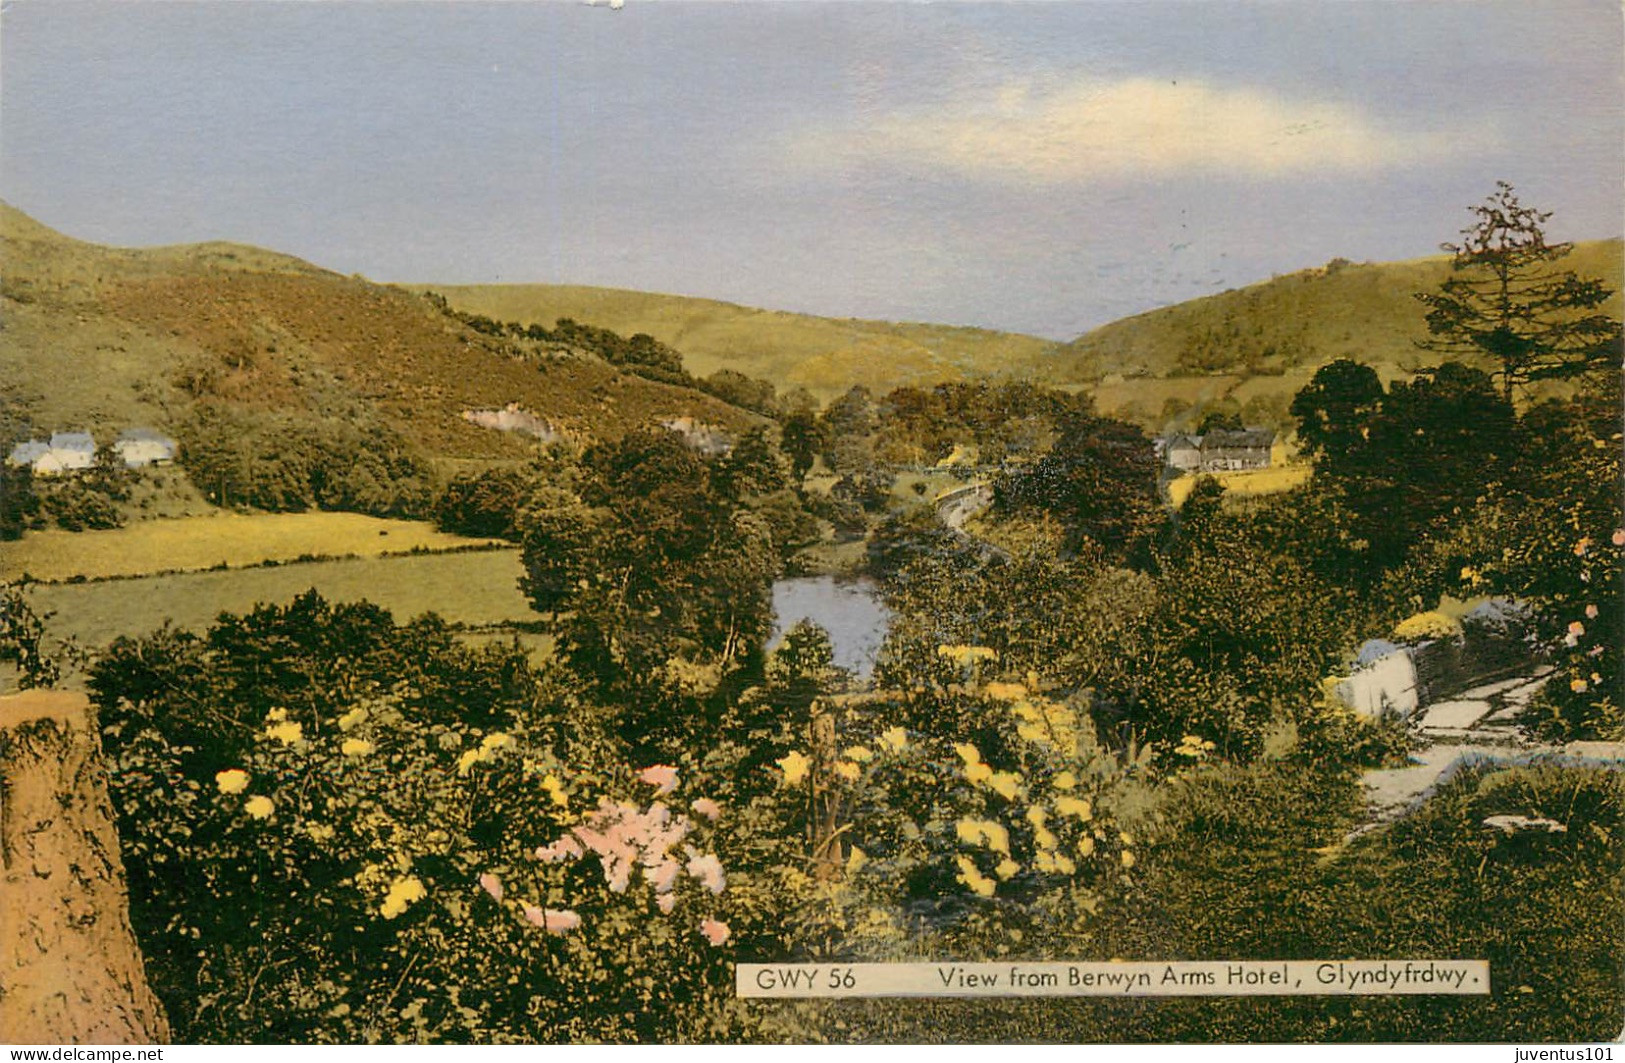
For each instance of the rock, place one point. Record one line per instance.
(1514, 824)
(70, 970)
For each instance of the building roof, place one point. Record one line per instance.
(1247, 437)
(73, 441)
(144, 435)
(27, 453)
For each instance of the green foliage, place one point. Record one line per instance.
(22, 640)
(359, 862)
(19, 503)
(1405, 464)
(1333, 409)
(291, 463)
(1099, 480)
(649, 564)
(921, 427)
(1506, 300)
(484, 504)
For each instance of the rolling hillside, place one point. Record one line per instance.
(103, 339)
(1366, 311)
(824, 355)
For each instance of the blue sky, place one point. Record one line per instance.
(1044, 167)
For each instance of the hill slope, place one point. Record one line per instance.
(105, 339)
(824, 355)
(1366, 311)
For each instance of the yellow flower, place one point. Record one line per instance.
(978, 773)
(356, 747)
(1086, 847)
(894, 737)
(320, 832)
(1125, 837)
(467, 760)
(354, 718)
(402, 893)
(496, 740)
(276, 716)
(979, 883)
(1055, 863)
(1074, 806)
(848, 770)
(231, 781)
(967, 753)
(794, 767)
(1577, 685)
(1006, 691)
(1007, 869)
(984, 832)
(1065, 781)
(1004, 784)
(288, 733)
(1128, 859)
(860, 754)
(555, 790)
(259, 807)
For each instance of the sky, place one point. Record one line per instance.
(1037, 167)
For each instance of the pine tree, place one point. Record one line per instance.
(1506, 299)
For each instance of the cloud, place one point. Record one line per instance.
(1135, 128)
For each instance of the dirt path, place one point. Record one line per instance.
(1474, 726)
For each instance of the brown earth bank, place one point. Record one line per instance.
(70, 971)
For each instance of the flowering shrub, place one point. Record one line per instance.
(350, 871)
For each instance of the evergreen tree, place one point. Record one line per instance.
(1506, 299)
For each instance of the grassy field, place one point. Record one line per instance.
(194, 543)
(476, 589)
(1243, 484)
(824, 355)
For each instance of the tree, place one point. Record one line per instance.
(1100, 480)
(647, 564)
(1334, 409)
(1505, 299)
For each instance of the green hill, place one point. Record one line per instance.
(1254, 347)
(105, 338)
(824, 355)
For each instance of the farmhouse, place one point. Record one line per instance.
(1220, 450)
(68, 452)
(139, 447)
(1224, 451)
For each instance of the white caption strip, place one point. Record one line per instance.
(1187, 979)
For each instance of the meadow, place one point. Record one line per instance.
(474, 589)
(232, 540)
(1245, 483)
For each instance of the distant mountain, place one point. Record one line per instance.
(102, 338)
(824, 355)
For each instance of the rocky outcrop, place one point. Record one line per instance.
(70, 971)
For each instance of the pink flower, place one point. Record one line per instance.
(708, 869)
(715, 931)
(566, 848)
(666, 902)
(1619, 536)
(707, 808)
(557, 922)
(1591, 612)
(1577, 629)
(1582, 546)
(663, 876)
(552, 920)
(492, 885)
(661, 776)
